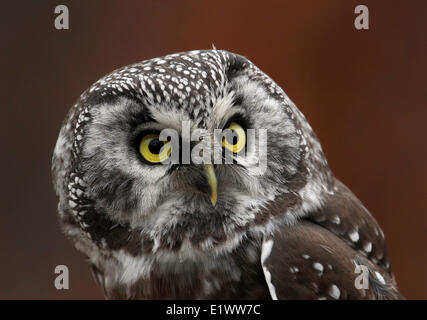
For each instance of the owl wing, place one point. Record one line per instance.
(337, 252)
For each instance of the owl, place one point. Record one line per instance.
(272, 223)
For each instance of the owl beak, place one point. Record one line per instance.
(211, 177)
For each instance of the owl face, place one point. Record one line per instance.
(114, 169)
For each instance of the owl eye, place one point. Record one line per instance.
(153, 150)
(235, 142)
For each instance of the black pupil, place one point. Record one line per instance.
(232, 137)
(154, 146)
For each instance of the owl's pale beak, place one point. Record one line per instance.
(211, 177)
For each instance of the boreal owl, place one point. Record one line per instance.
(273, 223)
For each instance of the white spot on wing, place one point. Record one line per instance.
(318, 266)
(265, 253)
(334, 292)
(368, 247)
(293, 269)
(336, 220)
(354, 236)
(380, 277)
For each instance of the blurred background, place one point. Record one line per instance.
(363, 92)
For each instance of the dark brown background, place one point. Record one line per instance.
(364, 93)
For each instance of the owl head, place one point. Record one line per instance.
(118, 191)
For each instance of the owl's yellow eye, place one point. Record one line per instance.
(235, 142)
(153, 150)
